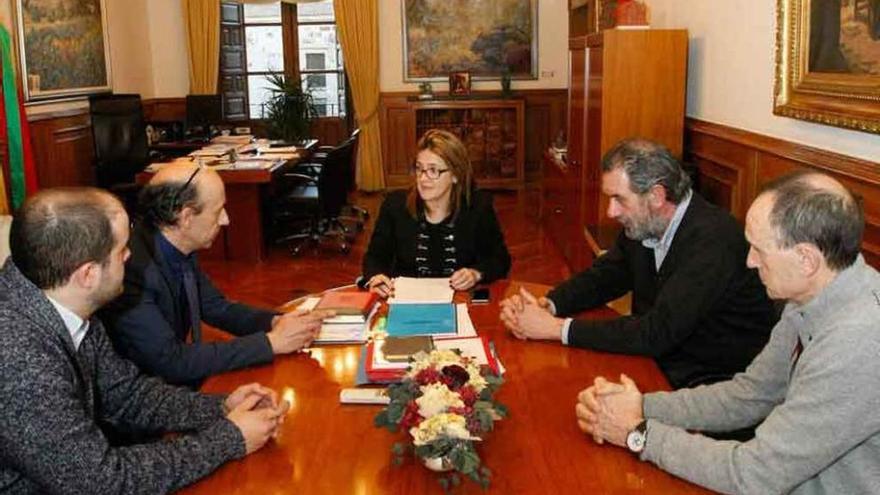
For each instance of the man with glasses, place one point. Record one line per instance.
(697, 309)
(157, 321)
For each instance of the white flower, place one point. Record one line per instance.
(437, 398)
(442, 425)
(438, 359)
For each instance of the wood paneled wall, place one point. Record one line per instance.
(545, 117)
(64, 151)
(734, 164)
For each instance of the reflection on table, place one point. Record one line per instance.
(328, 447)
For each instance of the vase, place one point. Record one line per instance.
(438, 464)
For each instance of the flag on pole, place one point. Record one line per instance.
(22, 169)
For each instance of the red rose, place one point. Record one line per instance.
(468, 395)
(411, 416)
(455, 376)
(427, 376)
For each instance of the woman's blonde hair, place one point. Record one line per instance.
(448, 147)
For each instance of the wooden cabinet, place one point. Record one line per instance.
(493, 130)
(64, 151)
(623, 83)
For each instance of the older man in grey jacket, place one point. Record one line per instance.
(60, 377)
(814, 389)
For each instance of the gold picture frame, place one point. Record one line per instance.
(828, 63)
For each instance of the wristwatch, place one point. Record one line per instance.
(636, 439)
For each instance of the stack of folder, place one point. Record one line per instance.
(381, 368)
(353, 313)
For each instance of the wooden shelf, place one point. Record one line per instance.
(493, 130)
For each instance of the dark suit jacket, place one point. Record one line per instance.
(146, 322)
(479, 243)
(704, 314)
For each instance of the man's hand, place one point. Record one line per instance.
(465, 278)
(381, 285)
(530, 318)
(268, 397)
(257, 424)
(294, 331)
(609, 411)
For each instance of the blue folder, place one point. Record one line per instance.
(405, 320)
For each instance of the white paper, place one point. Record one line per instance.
(338, 332)
(408, 290)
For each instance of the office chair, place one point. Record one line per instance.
(202, 112)
(320, 198)
(121, 149)
(350, 213)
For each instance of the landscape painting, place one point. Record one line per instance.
(63, 45)
(487, 38)
(828, 62)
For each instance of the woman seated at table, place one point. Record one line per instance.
(441, 227)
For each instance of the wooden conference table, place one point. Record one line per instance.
(247, 194)
(330, 448)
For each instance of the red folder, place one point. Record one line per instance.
(348, 303)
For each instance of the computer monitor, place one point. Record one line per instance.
(203, 111)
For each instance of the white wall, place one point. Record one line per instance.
(130, 50)
(168, 47)
(731, 72)
(552, 50)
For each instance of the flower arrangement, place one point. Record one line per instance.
(444, 402)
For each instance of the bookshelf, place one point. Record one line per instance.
(492, 129)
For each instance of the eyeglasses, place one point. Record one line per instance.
(430, 172)
(186, 184)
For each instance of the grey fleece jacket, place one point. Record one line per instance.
(819, 414)
(52, 397)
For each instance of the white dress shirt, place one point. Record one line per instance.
(75, 325)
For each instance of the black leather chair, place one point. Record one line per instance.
(317, 194)
(350, 212)
(121, 149)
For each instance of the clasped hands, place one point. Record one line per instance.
(257, 413)
(461, 279)
(609, 411)
(530, 317)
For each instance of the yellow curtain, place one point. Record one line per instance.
(357, 22)
(202, 18)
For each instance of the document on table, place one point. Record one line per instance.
(338, 332)
(408, 290)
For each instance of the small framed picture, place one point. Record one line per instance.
(460, 83)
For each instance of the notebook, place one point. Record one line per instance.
(421, 319)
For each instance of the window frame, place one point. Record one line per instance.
(290, 56)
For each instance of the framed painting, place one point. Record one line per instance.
(63, 47)
(828, 62)
(460, 83)
(486, 38)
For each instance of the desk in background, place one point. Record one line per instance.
(328, 447)
(247, 194)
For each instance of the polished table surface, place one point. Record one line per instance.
(332, 448)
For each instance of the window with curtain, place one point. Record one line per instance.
(258, 40)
